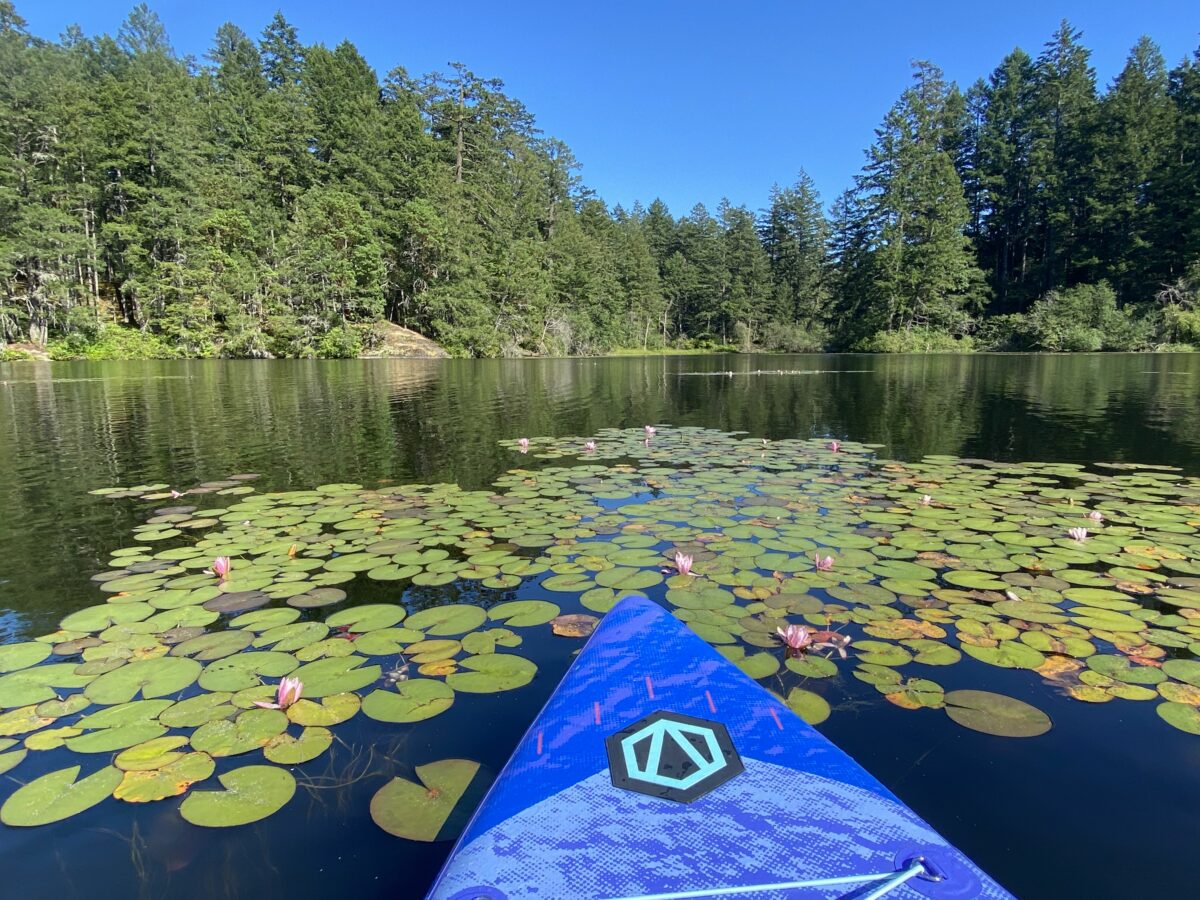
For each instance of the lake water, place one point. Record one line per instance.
(1104, 805)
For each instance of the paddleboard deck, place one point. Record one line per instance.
(659, 768)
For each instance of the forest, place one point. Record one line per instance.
(277, 199)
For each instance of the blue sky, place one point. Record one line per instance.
(687, 101)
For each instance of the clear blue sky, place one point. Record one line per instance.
(687, 101)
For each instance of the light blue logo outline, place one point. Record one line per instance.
(658, 732)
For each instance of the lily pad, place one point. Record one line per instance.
(996, 714)
(244, 670)
(169, 780)
(452, 619)
(57, 796)
(523, 613)
(812, 708)
(149, 677)
(412, 701)
(420, 812)
(359, 619)
(336, 676)
(251, 793)
(492, 672)
(23, 655)
(252, 729)
(1177, 715)
(153, 754)
(487, 641)
(287, 750)
(332, 710)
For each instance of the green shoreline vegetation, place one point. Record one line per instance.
(278, 200)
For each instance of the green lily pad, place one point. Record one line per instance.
(411, 701)
(332, 710)
(245, 670)
(420, 812)
(336, 676)
(153, 754)
(287, 750)
(251, 793)
(1177, 715)
(1185, 670)
(149, 677)
(492, 672)
(12, 759)
(812, 666)
(622, 578)
(812, 708)
(523, 613)
(359, 619)
(760, 665)
(262, 619)
(1007, 655)
(995, 714)
(53, 738)
(213, 646)
(23, 655)
(249, 731)
(478, 642)
(1120, 669)
(196, 711)
(34, 685)
(290, 638)
(452, 619)
(57, 796)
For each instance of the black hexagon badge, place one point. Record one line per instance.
(672, 756)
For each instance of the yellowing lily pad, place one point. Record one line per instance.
(169, 780)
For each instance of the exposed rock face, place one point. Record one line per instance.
(392, 341)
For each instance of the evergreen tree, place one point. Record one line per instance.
(923, 271)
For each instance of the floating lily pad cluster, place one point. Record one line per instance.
(931, 564)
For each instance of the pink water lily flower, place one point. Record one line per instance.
(175, 495)
(221, 566)
(835, 446)
(651, 431)
(590, 446)
(286, 694)
(523, 445)
(795, 637)
(926, 499)
(1078, 534)
(683, 563)
(823, 563)
(1096, 516)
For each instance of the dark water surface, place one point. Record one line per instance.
(1102, 806)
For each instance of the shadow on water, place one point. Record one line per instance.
(1047, 817)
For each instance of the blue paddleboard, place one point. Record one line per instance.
(659, 770)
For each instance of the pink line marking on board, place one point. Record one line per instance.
(649, 687)
(712, 707)
(539, 743)
(596, 711)
(775, 716)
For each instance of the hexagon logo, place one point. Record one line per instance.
(672, 756)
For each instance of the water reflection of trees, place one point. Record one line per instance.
(70, 428)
